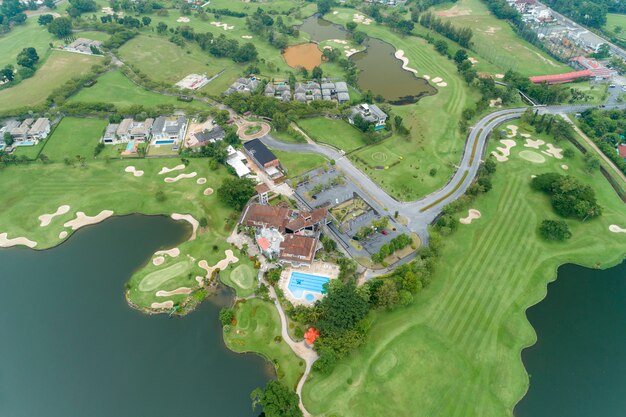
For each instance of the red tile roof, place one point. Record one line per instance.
(264, 243)
(262, 188)
(298, 248)
(622, 151)
(561, 78)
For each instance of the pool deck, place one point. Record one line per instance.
(317, 268)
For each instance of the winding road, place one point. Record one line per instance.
(420, 213)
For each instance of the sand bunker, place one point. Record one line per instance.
(177, 291)
(351, 52)
(553, 151)
(165, 304)
(183, 19)
(174, 252)
(63, 235)
(188, 218)
(246, 37)
(166, 170)
(158, 261)
(525, 135)
(495, 102)
(5, 242)
(491, 30)
(535, 144)
(134, 171)
(499, 76)
(405, 61)
(513, 130)
(564, 167)
(201, 181)
(426, 77)
(339, 41)
(437, 79)
(225, 26)
(221, 265)
(533, 157)
(474, 61)
(208, 191)
(180, 177)
(359, 18)
(46, 219)
(502, 154)
(82, 219)
(472, 215)
(442, 84)
(616, 229)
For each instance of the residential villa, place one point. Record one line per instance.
(238, 161)
(264, 158)
(202, 138)
(110, 134)
(168, 131)
(159, 131)
(30, 131)
(244, 85)
(370, 113)
(309, 91)
(85, 46)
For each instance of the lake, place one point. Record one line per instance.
(320, 29)
(72, 347)
(578, 366)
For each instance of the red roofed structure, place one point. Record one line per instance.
(561, 78)
(311, 336)
(622, 151)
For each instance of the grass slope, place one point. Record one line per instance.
(28, 35)
(59, 68)
(258, 326)
(612, 21)
(73, 137)
(455, 352)
(299, 163)
(334, 132)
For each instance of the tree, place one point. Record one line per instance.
(591, 163)
(61, 27)
(460, 56)
(280, 122)
(161, 28)
(145, 20)
(235, 192)
(45, 19)
(8, 138)
(324, 6)
(28, 57)
(350, 26)
(276, 400)
(317, 73)
(556, 230)
(246, 53)
(227, 315)
(6, 73)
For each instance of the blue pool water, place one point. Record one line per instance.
(299, 283)
(164, 142)
(28, 143)
(130, 146)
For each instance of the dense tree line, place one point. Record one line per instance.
(551, 124)
(11, 13)
(78, 7)
(569, 197)
(235, 192)
(274, 30)
(543, 93)
(270, 107)
(607, 129)
(587, 12)
(463, 36)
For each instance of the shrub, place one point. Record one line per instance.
(556, 230)
(227, 315)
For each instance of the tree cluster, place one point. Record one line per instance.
(11, 13)
(556, 230)
(589, 13)
(607, 129)
(463, 35)
(569, 197)
(397, 243)
(276, 400)
(543, 93)
(235, 192)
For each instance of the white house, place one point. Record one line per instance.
(39, 130)
(371, 113)
(168, 130)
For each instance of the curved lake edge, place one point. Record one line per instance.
(612, 263)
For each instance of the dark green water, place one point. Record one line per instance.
(578, 366)
(71, 347)
(322, 30)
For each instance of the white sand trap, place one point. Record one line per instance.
(188, 218)
(405, 61)
(82, 219)
(63, 235)
(564, 167)
(208, 191)
(426, 77)
(533, 176)
(200, 280)
(166, 170)
(224, 26)
(474, 61)
(502, 154)
(533, 157)
(158, 261)
(616, 229)
(513, 130)
(46, 219)
(553, 151)
(134, 171)
(535, 144)
(201, 181)
(230, 259)
(164, 305)
(339, 41)
(335, 12)
(442, 84)
(525, 135)
(472, 215)
(246, 37)
(437, 79)
(500, 76)
(180, 177)
(5, 242)
(177, 291)
(183, 19)
(174, 252)
(351, 52)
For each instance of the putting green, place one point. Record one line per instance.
(243, 276)
(379, 156)
(155, 279)
(533, 157)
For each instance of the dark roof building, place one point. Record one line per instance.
(260, 153)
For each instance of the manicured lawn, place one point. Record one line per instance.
(299, 163)
(456, 350)
(94, 35)
(113, 87)
(29, 191)
(434, 141)
(285, 137)
(613, 20)
(258, 325)
(495, 41)
(241, 278)
(334, 132)
(28, 35)
(59, 68)
(31, 152)
(74, 136)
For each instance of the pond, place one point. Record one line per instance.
(321, 29)
(72, 347)
(578, 366)
(381, 72)
(305, 55)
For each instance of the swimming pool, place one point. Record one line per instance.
(306, 286)
(28, 143)
(164, 142)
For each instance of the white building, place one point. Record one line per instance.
(166, 131)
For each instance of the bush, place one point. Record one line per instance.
(556, 230)
(227, 315)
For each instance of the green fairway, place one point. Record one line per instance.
(614, 20)
(258, 326)
(30, 152)
(455, 352)
(59, 68)
(113, 87)
(31, 190)
(299, 163)
(94, 35)
(242, 279)
(74, 136)
(156, 279)
(28, 35)
(495, 41)
(434, 141)
(334, 132)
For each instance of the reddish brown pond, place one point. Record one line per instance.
(306, 55)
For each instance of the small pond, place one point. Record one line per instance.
(322, 30)
(305, 55)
